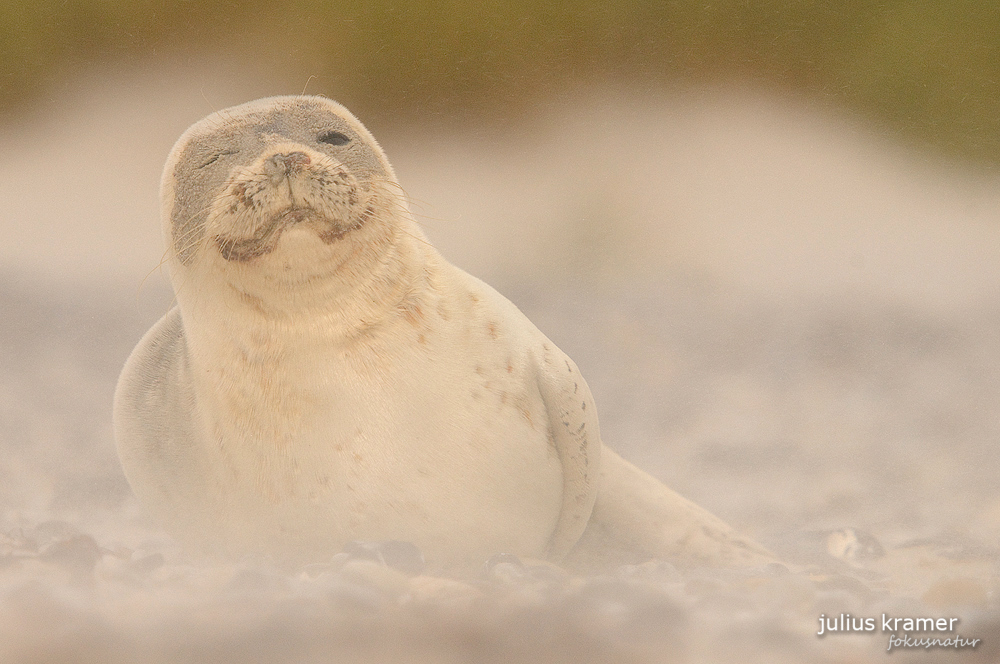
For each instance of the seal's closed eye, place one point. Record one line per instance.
(214, 158)
(333, 138)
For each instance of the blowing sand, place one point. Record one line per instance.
(783, 315)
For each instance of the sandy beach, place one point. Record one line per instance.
(783, 315)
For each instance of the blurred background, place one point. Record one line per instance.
(925, 71)
(768, 232)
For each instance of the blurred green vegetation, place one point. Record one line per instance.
(928, 70)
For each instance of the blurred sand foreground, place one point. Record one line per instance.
(783, 315)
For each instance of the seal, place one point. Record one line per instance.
(327, 376)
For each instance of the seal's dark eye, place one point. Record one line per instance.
(334, 138)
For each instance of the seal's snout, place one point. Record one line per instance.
(289, 184)
(287, 163)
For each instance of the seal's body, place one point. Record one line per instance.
(327, 376)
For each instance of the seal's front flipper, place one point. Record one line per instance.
(576, 436)
(636, 518)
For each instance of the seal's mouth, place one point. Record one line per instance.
(266, 238)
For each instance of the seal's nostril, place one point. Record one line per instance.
(290, 162)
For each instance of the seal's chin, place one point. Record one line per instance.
(265, 240)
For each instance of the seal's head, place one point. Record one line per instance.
(277, 184)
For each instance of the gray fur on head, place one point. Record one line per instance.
(211, 151)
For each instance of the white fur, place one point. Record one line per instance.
(367, 389)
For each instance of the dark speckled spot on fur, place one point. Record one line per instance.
(333, 234)
(244, 249)
(266, 239)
